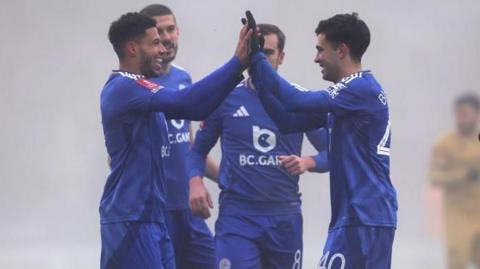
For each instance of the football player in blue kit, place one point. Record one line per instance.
(132, 207)
(260, 222)
(192, 240)
(363, 199)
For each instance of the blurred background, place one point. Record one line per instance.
(55, 58)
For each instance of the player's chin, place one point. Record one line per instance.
(168, 57)
(152, 72)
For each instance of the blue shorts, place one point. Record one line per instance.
(255, 242)
(127, 245)
(358, 247)
(192, 240)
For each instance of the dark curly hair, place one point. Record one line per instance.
(348, 29)
(128, 27)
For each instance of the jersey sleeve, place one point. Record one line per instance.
(199, 99)
(319, 139)
(290, 122)
(195, 102)
(344, 98)
(321, 162)
(337, 99)
(204, 141)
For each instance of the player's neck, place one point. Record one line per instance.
(350, 69)
(130, 68)
(165, 68)
(466, 133)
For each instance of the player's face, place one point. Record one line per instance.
(274, 55)
(150, 51)
(467, 119)
(328, 59)
(168, 32)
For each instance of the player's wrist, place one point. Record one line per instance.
(310, 163)
(196, 181)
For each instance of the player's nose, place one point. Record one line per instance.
(161, 48)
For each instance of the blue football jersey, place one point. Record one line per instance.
(251, 178)
(359, 156)
(179, 137)
(361, 189)
(137, 140)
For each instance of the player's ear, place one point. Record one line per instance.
(178, 30)
(281, 55)
(343, 50)
(131, 48)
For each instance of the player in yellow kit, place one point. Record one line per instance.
(455, 171)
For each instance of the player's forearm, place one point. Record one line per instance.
(266, 78)
(195, 163)
(198, 100)
(211, 169)
(318, 138)
(289, 122)
(197, 155)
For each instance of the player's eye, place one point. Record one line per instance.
(268, 51)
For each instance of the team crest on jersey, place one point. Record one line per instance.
(224, 264)
(153, 87)
(334, 90)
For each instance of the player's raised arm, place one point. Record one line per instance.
(290, 122)
(265, 78)
(139, 49)
(198, 100)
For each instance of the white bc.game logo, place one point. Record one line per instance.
(178, 123)
(264, 140)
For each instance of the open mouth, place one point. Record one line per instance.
(158, 62)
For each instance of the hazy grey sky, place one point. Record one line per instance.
(56, 56)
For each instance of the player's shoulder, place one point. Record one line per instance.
(179, 70)
(118, 80)
(366, 85)
(125, 80)
(446, 139)
(360, 81)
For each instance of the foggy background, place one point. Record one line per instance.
(55, 58)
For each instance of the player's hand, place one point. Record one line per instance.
(200, 200)
(257, 41)
(243, 46)
(296, 165)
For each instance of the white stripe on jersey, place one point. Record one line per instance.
(351, 77)
(179, 67)
(298, 87)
